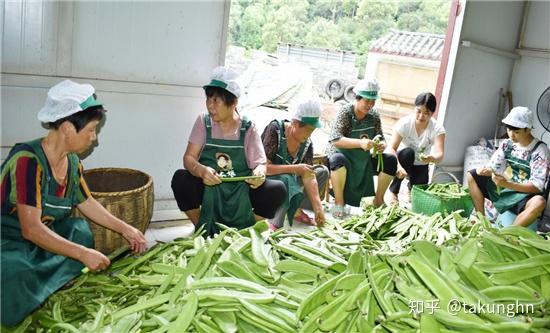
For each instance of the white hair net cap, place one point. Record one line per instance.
(226, 78)
(367, 88)
(520, 117)
(308, 112)
(67, 98)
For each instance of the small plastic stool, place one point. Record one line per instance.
(507, 219)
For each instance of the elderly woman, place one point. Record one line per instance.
(42, 246)
(290, 157)
(356, 130)
(423, 140)
(210, 192)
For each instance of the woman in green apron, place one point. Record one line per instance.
(223, 146)
(517, 175)
(42, 246)
(290, 155)
(356, 131)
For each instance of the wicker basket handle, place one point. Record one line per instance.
(447, 174)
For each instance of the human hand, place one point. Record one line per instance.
(210, 176)
(426, 158)
(303, 170)
(483, 171)
(400, 173)
(500, 181)
(255, 183)
(94, 260)
(366, 144)
(380, 146)
(135, 238)
(320, 218)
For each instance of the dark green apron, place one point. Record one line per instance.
(227, 203)
(29, 273)
(359, 177)
(521, 171)
(291, 181)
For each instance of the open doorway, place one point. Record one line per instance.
(335, 43)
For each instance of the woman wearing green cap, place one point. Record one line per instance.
(42, 246)
(356, 134)
(290, 155)
(224, 147)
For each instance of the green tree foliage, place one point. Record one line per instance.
(350, 25)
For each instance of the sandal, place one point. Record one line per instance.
(338, 212)
(304, 218)
(273, 227)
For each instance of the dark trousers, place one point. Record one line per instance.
(418, 174)
(188, 191)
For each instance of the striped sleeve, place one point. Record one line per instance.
(25, 182)
(83, 192)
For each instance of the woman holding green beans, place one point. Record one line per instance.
(225, 164)
(422, 140)
(516, 178)
(43, 247)
(351, 162)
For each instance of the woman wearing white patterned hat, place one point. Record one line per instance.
(517, 176)
(42, 246)
(289, 152)
(356, 130)
(208, 192)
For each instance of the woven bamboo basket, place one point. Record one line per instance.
(127, 194)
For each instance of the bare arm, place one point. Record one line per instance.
(518, 187)
(192, 164)
(439, 150)
(350, 143)
(396, 141)
(311, 188)
(33, 230)
(97, 213)
(301, 169)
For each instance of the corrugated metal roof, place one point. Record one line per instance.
(410, 44)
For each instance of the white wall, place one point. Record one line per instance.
(147, 61)
(531, 74)
(470, 96)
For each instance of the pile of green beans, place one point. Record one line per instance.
(447, 190)
(323, 280)
(391, 229)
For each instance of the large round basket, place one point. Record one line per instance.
(127, 194)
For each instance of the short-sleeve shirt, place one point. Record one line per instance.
(422, 143)
(270, 139)
(254, 150)
(22, 181)
(539, 163)
(343, 125)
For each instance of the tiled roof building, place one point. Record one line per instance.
(410, 44)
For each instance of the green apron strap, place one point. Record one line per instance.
(229, 202)
(29, 273)
(295, 193)
(359, 176)
(506, 199)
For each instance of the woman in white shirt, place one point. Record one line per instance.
(423, 142)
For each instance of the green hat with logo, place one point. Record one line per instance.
(367, 88)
